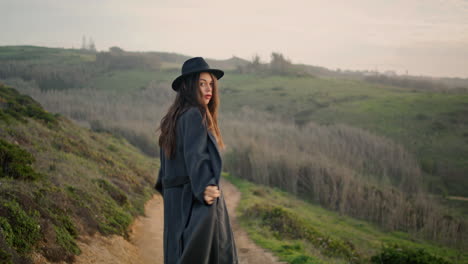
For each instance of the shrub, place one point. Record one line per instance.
(5, 257)
(16, 162)
(116, 220)
(66, 240)
(398, 254)
(287, 225)
(17, 106)
(6, 231)
(26, 231)
(114, 192)
(302, 259)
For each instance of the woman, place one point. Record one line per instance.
(196, 222)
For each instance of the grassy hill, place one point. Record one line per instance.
(431, 123)
(59, 181)
(125, 92)
(303, 232)
(122, 92)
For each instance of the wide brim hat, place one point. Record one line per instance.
(194, 65)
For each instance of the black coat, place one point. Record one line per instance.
(194, 231)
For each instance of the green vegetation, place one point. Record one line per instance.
(302, 232)
(20, 228)
(45, 55)
(16, 162)
(66, 240)
(62, 181)
(115, 193)
(124, 81)
(284, 224)
(432, 125)
(425, 116)
(427, 119)
(395, 254)
(117, 221)
(49, 68)
(16, 106)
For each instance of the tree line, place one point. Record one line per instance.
(278, 65)
(66, 74)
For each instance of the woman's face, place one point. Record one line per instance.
(206, 84)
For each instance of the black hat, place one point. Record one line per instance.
(193, 65)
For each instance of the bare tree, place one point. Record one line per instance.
(84, 45)
(91, 45)
(278, 64)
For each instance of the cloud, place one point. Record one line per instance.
(436, 58)
(357, 34)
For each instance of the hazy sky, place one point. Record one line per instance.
(428, 37)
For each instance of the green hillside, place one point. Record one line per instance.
(301, 232)
(125, 92)
(45, 55)
(59, 181)
(432, 125)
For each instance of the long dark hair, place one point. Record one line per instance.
(189, 95)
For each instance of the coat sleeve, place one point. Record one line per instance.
(196, 155)
(158, 186)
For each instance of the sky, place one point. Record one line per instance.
(421, 37)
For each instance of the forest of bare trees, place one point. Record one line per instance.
(342, 168)
(48, 76)
(61, 74)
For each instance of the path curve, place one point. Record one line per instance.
(248, 251)
(145, 245)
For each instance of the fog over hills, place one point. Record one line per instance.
(416, 37)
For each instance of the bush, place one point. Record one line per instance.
(116, 219)
(302, 260)
(16, 162)
(5, 257)
(287, 225)
(398, 254)
(16, 106)
(66, 240)
(115, 193)
(6, 231)
(26, 231)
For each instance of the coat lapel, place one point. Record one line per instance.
(218, 164)
(213, 139)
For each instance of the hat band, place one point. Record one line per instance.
(195, 69)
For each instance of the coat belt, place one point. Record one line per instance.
(175, 181)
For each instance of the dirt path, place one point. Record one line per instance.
(147, 232)
(460, 198)
(146, 238)
(145, 245)
(249, 252)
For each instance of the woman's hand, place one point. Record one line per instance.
(211, 193)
